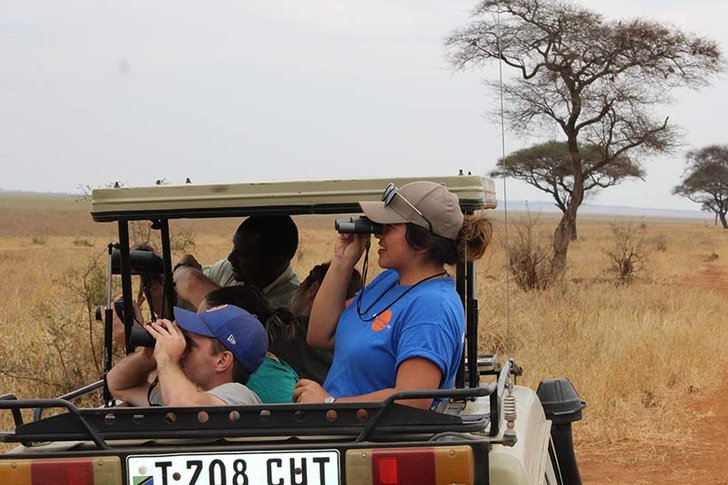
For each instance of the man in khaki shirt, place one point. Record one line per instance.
(263, 247)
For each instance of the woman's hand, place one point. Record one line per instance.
(349, 248)
(307, 391)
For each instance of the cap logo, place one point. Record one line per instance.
(232, 340)
(215, 308)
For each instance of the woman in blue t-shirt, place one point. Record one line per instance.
(403, 331)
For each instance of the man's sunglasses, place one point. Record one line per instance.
(391, 192)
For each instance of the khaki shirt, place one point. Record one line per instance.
(279, 293)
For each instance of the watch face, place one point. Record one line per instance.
(329, 399)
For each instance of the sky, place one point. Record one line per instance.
(98, 91)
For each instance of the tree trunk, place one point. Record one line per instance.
(562, 237)
(723, 220)
(574, 236)
(566, 230)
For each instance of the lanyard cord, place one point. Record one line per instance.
(375, 315)
(150, 390)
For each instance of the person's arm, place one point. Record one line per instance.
(331, 298)
(413, 374)
(192, 285)
(128, 379)
(176, 388)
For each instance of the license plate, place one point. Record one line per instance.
(320, 467)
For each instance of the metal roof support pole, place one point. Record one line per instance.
(472, 325)
(170, 296)
(460, 286)
(126, 282)
(108, 329)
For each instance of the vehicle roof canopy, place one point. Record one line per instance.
(269, 198)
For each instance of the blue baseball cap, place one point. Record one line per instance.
(239, 331)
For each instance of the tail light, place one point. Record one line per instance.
(61, 471)
(442, 465)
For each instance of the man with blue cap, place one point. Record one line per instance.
(201, 359)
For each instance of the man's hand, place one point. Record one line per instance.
(309, 391)
(192, 285)
(188, 260)
(171, 343)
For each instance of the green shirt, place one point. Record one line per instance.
(273, 381)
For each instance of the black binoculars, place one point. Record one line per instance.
(140, 262)
(358, 225)
(118, 308)
(138, 337)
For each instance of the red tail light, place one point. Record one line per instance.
(441, 465)
(404, 467)
(61, 471)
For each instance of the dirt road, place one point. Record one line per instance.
(706, 462)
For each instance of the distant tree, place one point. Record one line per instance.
(547, 166)
(706, 180)
(596, 80)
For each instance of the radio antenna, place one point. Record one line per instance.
(509, 349)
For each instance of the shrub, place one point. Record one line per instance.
(63, 352)
(529, 255)
(183, 242)
(629, 253)
(659, 241)
(83, 242)
(142, 233)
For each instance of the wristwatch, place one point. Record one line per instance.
(329, 399)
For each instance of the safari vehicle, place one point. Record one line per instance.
(488, 431)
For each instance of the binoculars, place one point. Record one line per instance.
(358, 225)
(138, 337)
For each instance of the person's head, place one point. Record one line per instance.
(425, 219)
(278, 322)
(263, 247)
(302, 300)
(225, 344)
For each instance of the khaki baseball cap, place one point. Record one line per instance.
(437, 205)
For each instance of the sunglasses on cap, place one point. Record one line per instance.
(391, 192)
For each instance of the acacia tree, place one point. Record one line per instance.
(706, 180)
(547, 166)
(597, 80)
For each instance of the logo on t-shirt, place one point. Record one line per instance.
(382, 321)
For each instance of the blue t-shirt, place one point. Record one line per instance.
(427, 322)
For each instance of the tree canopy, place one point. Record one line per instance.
(599, 81)
(547, 166)
(706, 180)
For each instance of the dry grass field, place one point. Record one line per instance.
(640, 354)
